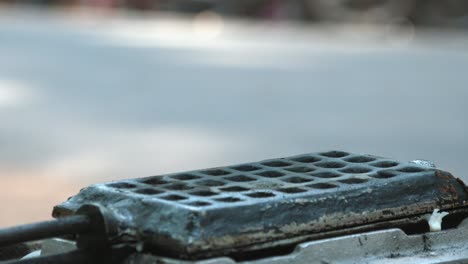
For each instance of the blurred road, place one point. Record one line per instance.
(86, 98)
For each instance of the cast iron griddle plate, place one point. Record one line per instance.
(221, 210)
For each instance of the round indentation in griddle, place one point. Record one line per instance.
(296, 180)
(384, 174)
(270, 174)
(260, 194)
(300, 169)
(359, 159)
(185, 177)
(173, 197)
(234, 189)
(210, 183)
(334, 154)
(156, 180)
(246, 168)
(330, 164)
(326, 174)
(322, 185)
(240, 178)
(384, 164)
(411, 169)
(215, 172)
(203, 193)
(199, 203)
(307, 159)
(276, 163)
(291, 190)
(148, 191)
(228, 199)
(356, 170)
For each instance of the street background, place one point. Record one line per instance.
(92, 94)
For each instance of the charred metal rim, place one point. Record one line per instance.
(410, 225)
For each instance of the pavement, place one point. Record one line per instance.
(88, 97)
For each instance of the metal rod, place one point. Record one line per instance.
(67, 225)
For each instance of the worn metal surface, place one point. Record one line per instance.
(384, 246)
(17, 250)
(269, 203)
